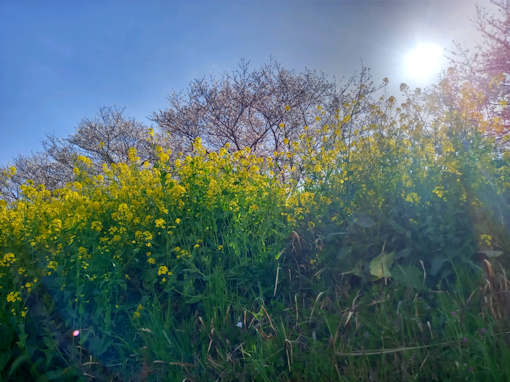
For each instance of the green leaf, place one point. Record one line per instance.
(409, 276)
(20, 360)
(380, 266)
(279, 254)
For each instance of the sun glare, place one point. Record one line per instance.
(423, 62)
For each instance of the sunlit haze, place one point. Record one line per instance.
(424, 62)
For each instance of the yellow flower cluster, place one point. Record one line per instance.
(102, 224)
(7, 259)
(13, 297)
(129, 218)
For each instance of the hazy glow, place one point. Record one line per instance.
(423, 62)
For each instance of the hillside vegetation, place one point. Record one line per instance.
(374, 251)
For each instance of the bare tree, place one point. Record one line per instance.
(104, 139)
(37, 169)
(258, 109)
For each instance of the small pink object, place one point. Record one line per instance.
(76, 333)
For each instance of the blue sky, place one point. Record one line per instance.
(60, 61)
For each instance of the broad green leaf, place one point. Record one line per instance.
(380, 266)
(410, 276)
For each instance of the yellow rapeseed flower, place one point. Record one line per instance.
(96, 226)
(132, 155)
(163, 270)
(13, 297)
(8, 259)
(85, 160)
(11, 171)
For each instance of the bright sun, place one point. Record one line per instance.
(423, 62)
